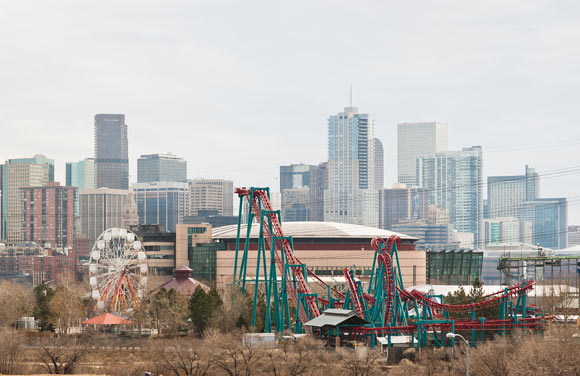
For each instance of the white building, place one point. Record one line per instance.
(506, 230)
(211, 194)
(351, 196)
(505, 194)
(100, 209)
(414, 140)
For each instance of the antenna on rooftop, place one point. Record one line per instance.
(350, 95)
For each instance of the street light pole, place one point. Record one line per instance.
(453, 335)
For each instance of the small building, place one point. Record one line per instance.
(334, 323)
(183, 283)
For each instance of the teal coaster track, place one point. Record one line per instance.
(389, 309)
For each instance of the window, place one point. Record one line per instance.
(196, 230)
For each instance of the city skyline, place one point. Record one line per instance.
(518, 104)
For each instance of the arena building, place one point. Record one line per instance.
(325, 247)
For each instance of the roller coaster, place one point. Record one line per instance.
(387, 309)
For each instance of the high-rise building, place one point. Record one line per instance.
(161, 202)
(295, 191)
(100, 209)
(318, 184)
(434, 237)
(17, 173)
(161, 167)
(211, 194)
(351, 196)
(505, 194)
(295, 205)
(81, 174)
(401, 203)
(379, 164)
(549, 217)
(453, 181)
(532, 184)
(48, 213)
(111, 151)
(507, 230)
(414, 140)
(294, 176)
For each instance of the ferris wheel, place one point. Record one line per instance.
(117, 270)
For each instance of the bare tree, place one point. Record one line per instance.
(186, 358)
(59, 355)
(297, 358)
(67, 306)
(10, 350)
(234, 357)
(361, 362)
(16, 300)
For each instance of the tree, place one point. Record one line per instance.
(186, 358)
(10, 350)
(295, 358)
(476, 295)
(15, 301)
(169, 310)
(234, 357)
(203, 307)
(59, 355)
(361, 362)
(67, 306)
(42, 309)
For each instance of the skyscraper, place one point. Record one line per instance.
(414, 140)
(211, 194)
(81, 174)
(295, 191)
(295, 204)
(161, 202)
(161, 167)
(505, 194)
(48, 213)
(18, 173)
(549, 217)
(100, 209)
(318, 184)
(453, 181)
(294, 176)
(111, 151)
(379, 164)
(351, 196)
(401, 203)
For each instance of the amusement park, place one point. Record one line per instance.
(365, 316)
(382, 314)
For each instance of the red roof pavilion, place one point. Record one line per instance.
(107, 319)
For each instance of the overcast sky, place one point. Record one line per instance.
(239, 88)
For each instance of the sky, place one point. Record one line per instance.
(238, 88)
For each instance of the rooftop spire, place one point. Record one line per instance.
(350, 95)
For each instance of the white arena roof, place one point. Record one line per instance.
(312, 230)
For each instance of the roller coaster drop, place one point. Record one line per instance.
(389, 309)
